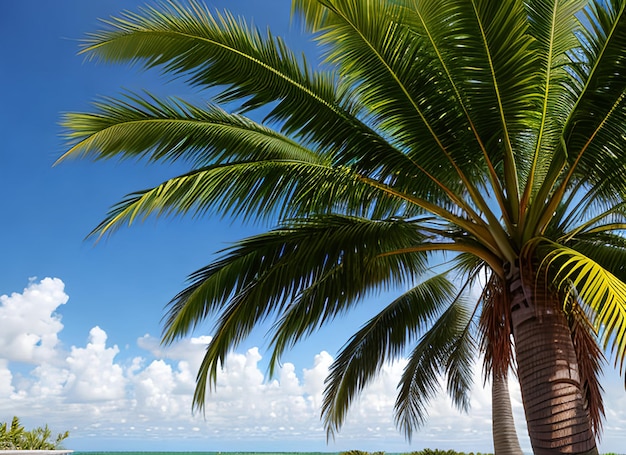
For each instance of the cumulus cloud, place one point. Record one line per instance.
(6, 379)
(93, 373)
(102, 397)
(30, 324)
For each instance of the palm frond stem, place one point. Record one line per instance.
(493, 260)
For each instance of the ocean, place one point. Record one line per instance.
(206, 453)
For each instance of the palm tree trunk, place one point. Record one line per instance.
(505, 441)
(547, 367)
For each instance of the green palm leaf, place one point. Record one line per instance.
(592, 134)
(265, 273)
(443, 349)
(381, 340)
(307, 105)
(601, 291)
(169, 130)
(554, 25)
(372, 51)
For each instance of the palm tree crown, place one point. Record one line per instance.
(489, 133)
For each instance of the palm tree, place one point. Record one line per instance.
(443, 146)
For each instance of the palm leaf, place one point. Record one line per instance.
(607, 249)
(170, 129)
(433, 357)
(554, 26)
(340, 285)
(267, 272)
(257, 189)
(593, 135)
(381, 340)
(601, 292)
(307, 106)
(372, 51)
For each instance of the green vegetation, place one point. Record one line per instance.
(430, 452)
(419, 452)
(16, 437)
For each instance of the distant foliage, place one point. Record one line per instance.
(420, 452)
(432, 452)
(16, 437)
(444, 452)
(360, 452)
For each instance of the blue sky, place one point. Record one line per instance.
(81, 321)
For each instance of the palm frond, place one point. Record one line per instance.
(341, 285)
(381, 340)
(298, 255)
(600, 291)
(590, 217)
(554, 26)
(425, 18)
(263, 274)
(255, 190)
(308, 106)
(170, 129)
(607, 249)
(431, 359)
(593, 136)
(377, 55)
(314, 13)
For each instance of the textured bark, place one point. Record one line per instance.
(558, 421)
(505, 441)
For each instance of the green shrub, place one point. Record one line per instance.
(443, 452)
(16, 437)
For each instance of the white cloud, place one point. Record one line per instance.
(30, 324)
(93, 373)
(102, 398)
(6, 378)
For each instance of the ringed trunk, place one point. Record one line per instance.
(547, 367)
(505, 441)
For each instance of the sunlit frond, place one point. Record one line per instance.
(600, 291)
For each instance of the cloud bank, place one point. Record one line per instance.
(144, 403)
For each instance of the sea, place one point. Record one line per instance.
(207, 453)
